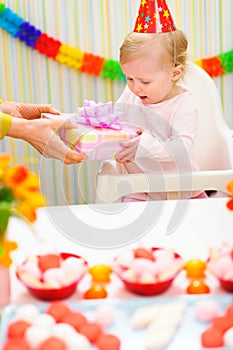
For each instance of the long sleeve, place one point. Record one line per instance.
(179, 144)
(5, 123)
(170, 130)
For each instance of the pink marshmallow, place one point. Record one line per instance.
(220, 266)
(206, 310)
(30, 266)
(53, 278)
(139, 266)
(104, 315)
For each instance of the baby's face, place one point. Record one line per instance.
(149, 79)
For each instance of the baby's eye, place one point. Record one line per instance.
(145, 82)
(129, 79)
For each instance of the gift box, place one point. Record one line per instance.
(99, 130)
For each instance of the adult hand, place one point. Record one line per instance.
(26, 110)
(129, 151)
(41, 134)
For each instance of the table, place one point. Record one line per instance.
(189, 227)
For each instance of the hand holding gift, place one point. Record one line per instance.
(129, 152)
(99, 130)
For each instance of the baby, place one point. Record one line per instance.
(156, 101)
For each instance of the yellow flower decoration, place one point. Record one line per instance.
(4, 160)
(19, 196)
(5, 250)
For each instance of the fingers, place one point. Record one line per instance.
(125, 156)
(139, 131)
(48, 109)
(128, 143)
(55, 148)
(73, 157)
(56, 124)
(33, 111)
(129, 151)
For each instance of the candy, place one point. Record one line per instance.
(197, 287)
(91, 330)
(44, 321)
(212, 338)
(104, 315)
(31, 267)
(125, 259)
(158, 340)
(220, 263)
(73, 331)
(142, 269)
(228, 337)
(222, 266)
(170, 272)
(16, 344)
(53, 343)
(139, 266)
(54, 277)
(35, 335)
(223, 323)
(147, 278)
(17, 329)
(27, 312)
(75, 319)
(96, 291)
(78, 342)
(129, 275)
(58, 310)
(108, 341)
(100, 273)
(144, 253)
(195, 268)
(52, 271)
(48, 261)
(206, 310)
(141, 317)
(63, 330)
(73, 264)
(30, 280)
(163, 253)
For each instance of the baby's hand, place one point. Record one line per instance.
(129, 151)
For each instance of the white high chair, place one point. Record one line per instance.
(213, 151)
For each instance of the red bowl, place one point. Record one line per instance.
(227, 285)
(149, 289)
(54, 293)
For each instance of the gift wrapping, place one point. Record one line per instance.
(100, 143)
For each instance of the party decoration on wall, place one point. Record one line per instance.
(88, 62)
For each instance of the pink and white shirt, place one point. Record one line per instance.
(170, 128)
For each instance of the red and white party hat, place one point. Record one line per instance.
(154, 17)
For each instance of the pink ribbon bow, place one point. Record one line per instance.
(99, 115)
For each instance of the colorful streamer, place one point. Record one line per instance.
(88, 62)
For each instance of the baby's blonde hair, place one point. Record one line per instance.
(139, 45)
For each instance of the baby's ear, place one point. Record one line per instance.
(177, 72)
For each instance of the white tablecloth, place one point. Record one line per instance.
(190, 229)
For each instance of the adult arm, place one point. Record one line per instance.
(41, 134)
(26, 110)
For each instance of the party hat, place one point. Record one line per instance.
(154, 17)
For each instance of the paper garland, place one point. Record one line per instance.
(88, 62)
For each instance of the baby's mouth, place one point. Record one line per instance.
(142, 97)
